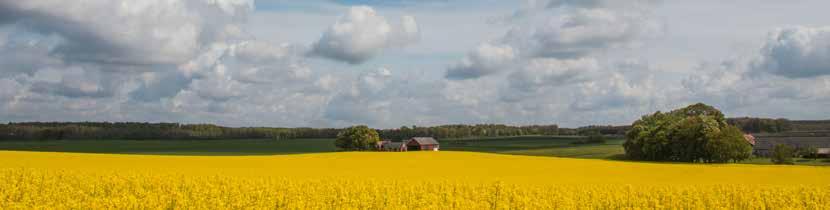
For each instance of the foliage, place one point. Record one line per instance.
(782, 154)
(357, 138)
(363, 180)
(807, 152)
(468, 131)
(761, 125)
(150, 131)
(592, 138)
(696, 133)
(176, 131)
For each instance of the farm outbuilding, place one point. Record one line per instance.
(422, 143)
(764, 144)
(387, 145)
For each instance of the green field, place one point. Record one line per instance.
(177, 147)
(554, 146)
(525, 145)
(557, 146)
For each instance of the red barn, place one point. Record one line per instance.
(422, 143)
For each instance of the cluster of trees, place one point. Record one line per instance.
(761, 125)
(697, 133)
(357, 138)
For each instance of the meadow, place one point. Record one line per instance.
(412, 180)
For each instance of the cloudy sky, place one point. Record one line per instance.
(387, 63)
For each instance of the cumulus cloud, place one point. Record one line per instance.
(551, 72)
(796, 52)
(562, 30)
(157, 60)
(365, 101)
(616, 91)
(130, 32)
(582, 32)
(361, 34)
(73, 82)
(486, 59)
(791, 67)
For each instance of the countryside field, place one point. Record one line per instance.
(552, 146)
(420, 180)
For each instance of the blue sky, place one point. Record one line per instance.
(329, 63)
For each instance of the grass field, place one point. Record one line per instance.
(553, 146)
(419, 180)
(178, 147)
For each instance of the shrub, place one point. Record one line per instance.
(592, 139)
(782, 154)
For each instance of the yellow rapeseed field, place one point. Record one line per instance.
(412, 180)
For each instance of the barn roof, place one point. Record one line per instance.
(425, 140)
(767, 142)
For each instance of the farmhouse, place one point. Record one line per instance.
(422, 143)
(764, 144)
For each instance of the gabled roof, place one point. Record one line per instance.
(749, 138)
(425, 140)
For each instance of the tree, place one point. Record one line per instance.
(807, 152)
(696, 133)
(357, 138)
(729, 144)
(782, 154)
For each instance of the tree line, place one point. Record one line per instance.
(761, 125)
(169, 131)
(176, 131)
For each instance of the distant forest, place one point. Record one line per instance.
(176, 131)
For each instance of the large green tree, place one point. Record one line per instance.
(696, 133)
(357, 138)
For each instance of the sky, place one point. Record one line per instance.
(390, 63)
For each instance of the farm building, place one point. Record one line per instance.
(422, 143)
(387, 145)
(764, 144)
(750, 139)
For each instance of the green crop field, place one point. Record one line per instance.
(557, 146)
(177, 147)
(525, 145)
(554, 146)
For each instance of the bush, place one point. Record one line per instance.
(592, 139)
(696, 133)
(807, 152)
(782, 154)
(357, 138)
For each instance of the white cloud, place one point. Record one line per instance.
(131, 32)
(796, 52)
(362, 34)
(367, 100)
(551, 72)
(486, 59)
(615, 91)
(581, 32)
(560, 30)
